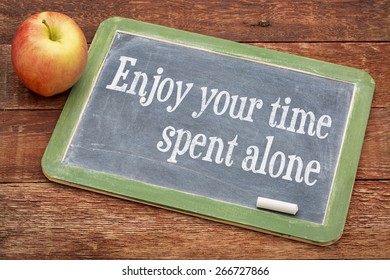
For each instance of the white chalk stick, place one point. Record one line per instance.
(277, 205)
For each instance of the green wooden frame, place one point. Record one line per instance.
(341, 190)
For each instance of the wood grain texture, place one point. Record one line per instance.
(51, 221)
(44, 220)
(289, 21)
(23, 139)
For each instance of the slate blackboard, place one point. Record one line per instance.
(206, 126)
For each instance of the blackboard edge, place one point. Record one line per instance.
(349, 157)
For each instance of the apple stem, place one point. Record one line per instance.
(48, 27)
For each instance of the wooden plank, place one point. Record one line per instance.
(371, 57)
(375, 157)
(24, 135)
(4, 61)
(23, 139)
(50, 221)
(283, 21)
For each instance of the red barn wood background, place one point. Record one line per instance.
(44, 220)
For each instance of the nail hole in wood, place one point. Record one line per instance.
(264, 23)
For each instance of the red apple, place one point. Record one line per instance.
(49, 53)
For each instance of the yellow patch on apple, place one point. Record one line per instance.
(49, 53)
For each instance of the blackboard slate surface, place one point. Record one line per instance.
(143, 91)
(117, 135)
